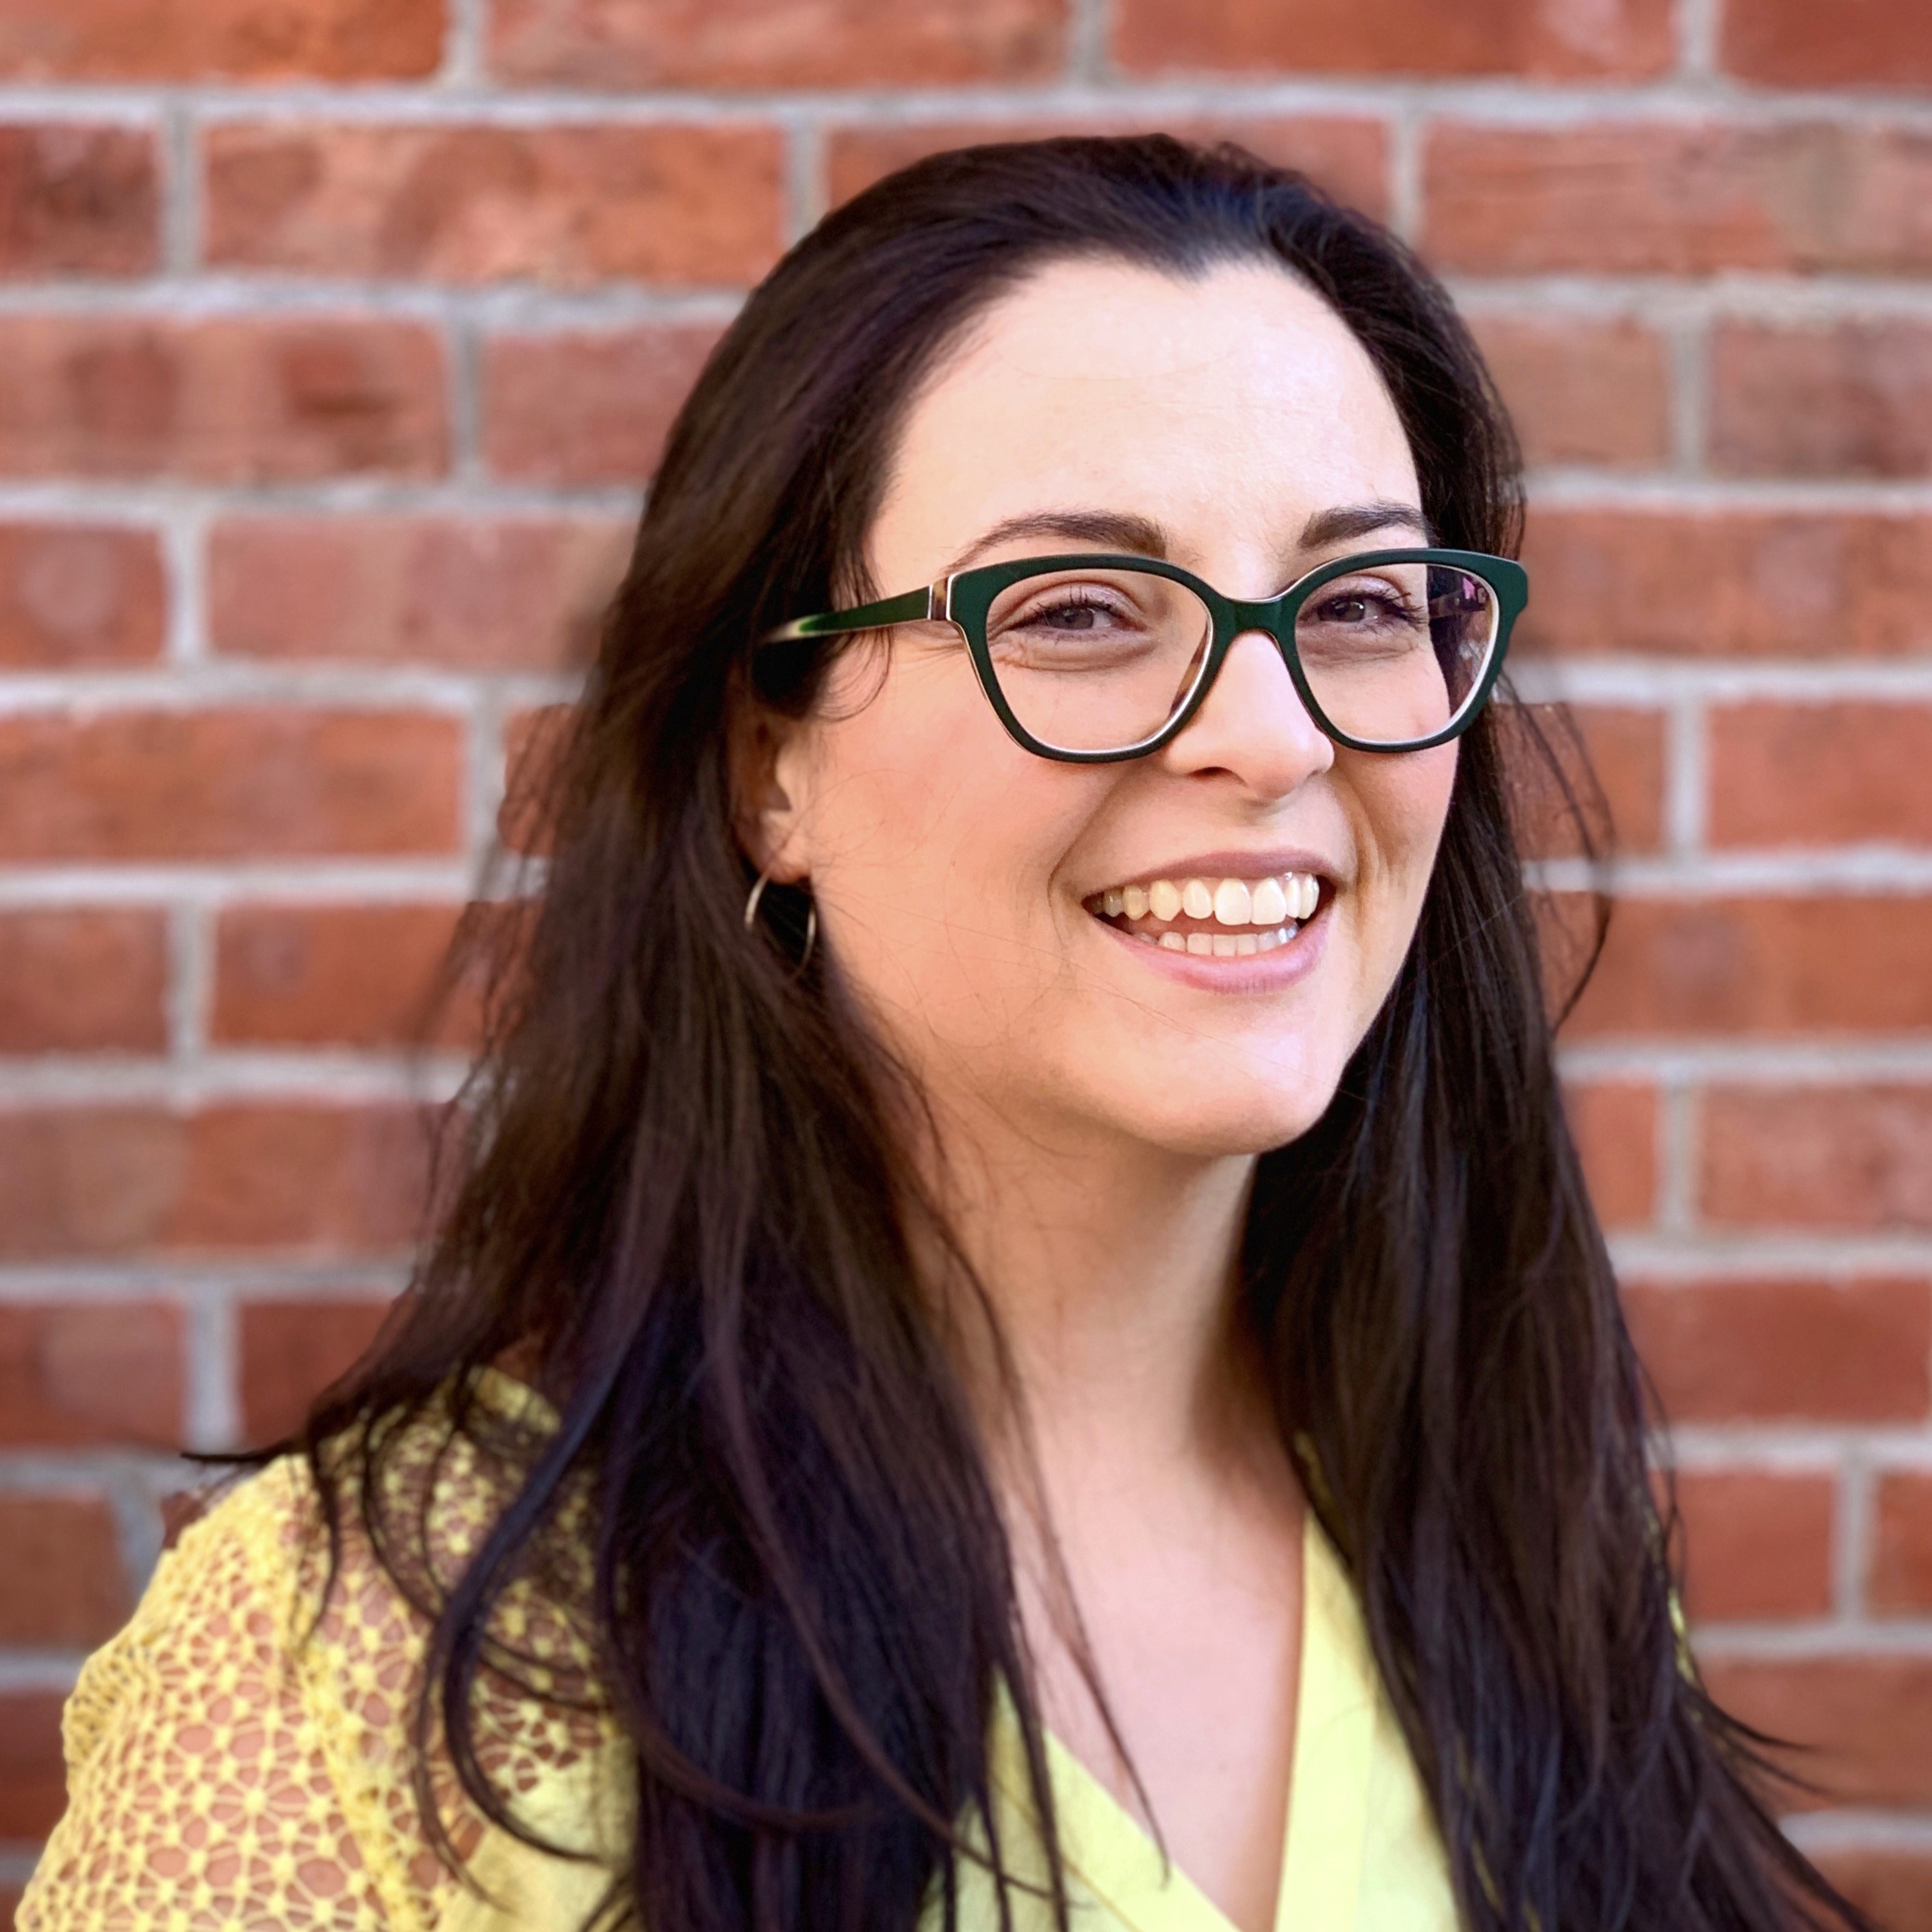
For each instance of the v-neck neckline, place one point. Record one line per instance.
(1112, 1854)
(1107, 1848)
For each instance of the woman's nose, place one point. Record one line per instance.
(1253, 724)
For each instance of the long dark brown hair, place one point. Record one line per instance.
(674, 1176)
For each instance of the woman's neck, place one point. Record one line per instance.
(1110, 1268)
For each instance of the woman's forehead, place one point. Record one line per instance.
(1235, 393)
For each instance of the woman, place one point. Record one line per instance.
(1019, 1307)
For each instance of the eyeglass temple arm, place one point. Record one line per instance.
(914, 606)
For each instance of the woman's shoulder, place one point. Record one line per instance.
(200, 1775)
(436, 1491)
(247, 1665)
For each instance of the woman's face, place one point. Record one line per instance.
(1232, 425)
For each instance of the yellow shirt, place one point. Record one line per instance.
(223, 1778)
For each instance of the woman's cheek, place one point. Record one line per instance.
(1401, 806)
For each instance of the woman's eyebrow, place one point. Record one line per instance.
(1122, 530)
(1362, 520)
(1107, 529)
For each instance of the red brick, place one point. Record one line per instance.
(1347, 154)
(33, 1771)
(1624, 38)
(1818, 1156)
(76, 594)
(1835, 964)
(1778, 1351)
(1820, 774)
(1840, 399)
(1666, 197)
(1624, 746)
(1899, 1578)
(1893, 1888)
(337, 975)
(1682, 582)
(1580, 390)
(1860, 1723)
(228, 783)
(227, 399)
(240, 40)
(527, 593)
(78, 199)
(1792, 43)
(62, 1583)
(81, 1374)
(586, 407)
(564, 205)
(1615, 1123)
(292, 1351)
(776, 43)
(1626, 750)
(1757, 1544)
(533, 741)
(78, 981)
(282, 1176)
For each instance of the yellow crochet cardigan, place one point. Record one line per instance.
(223, 1778)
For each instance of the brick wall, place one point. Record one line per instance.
(335, 341)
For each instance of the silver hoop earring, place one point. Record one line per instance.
(810, 919)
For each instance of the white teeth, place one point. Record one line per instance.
(1246, 943)
(1224, 945)
(1233, 903)
(1270, 904)
(1281, 904)
(1146, 938)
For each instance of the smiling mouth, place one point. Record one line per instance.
(1221, 918)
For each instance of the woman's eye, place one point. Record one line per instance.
(1068, 617)
(1075, 614)
(1354, 608)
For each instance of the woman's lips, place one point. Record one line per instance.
(1203, 948)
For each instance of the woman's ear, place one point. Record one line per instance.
(770, 783)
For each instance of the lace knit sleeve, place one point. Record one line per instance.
(223, 1774)
(199, 1789)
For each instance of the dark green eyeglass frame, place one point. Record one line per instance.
(964, 599)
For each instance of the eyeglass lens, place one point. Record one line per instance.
(1095, 660)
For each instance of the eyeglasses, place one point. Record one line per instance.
(1090, 658)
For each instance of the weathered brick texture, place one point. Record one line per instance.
(337, 338)
(74, 596)
(1623, 40)
(760, 43)
(78, 200)
(570, 206)
(586, 407)
(259, 399)
(250, 40)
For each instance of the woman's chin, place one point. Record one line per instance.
(1244, 1117)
